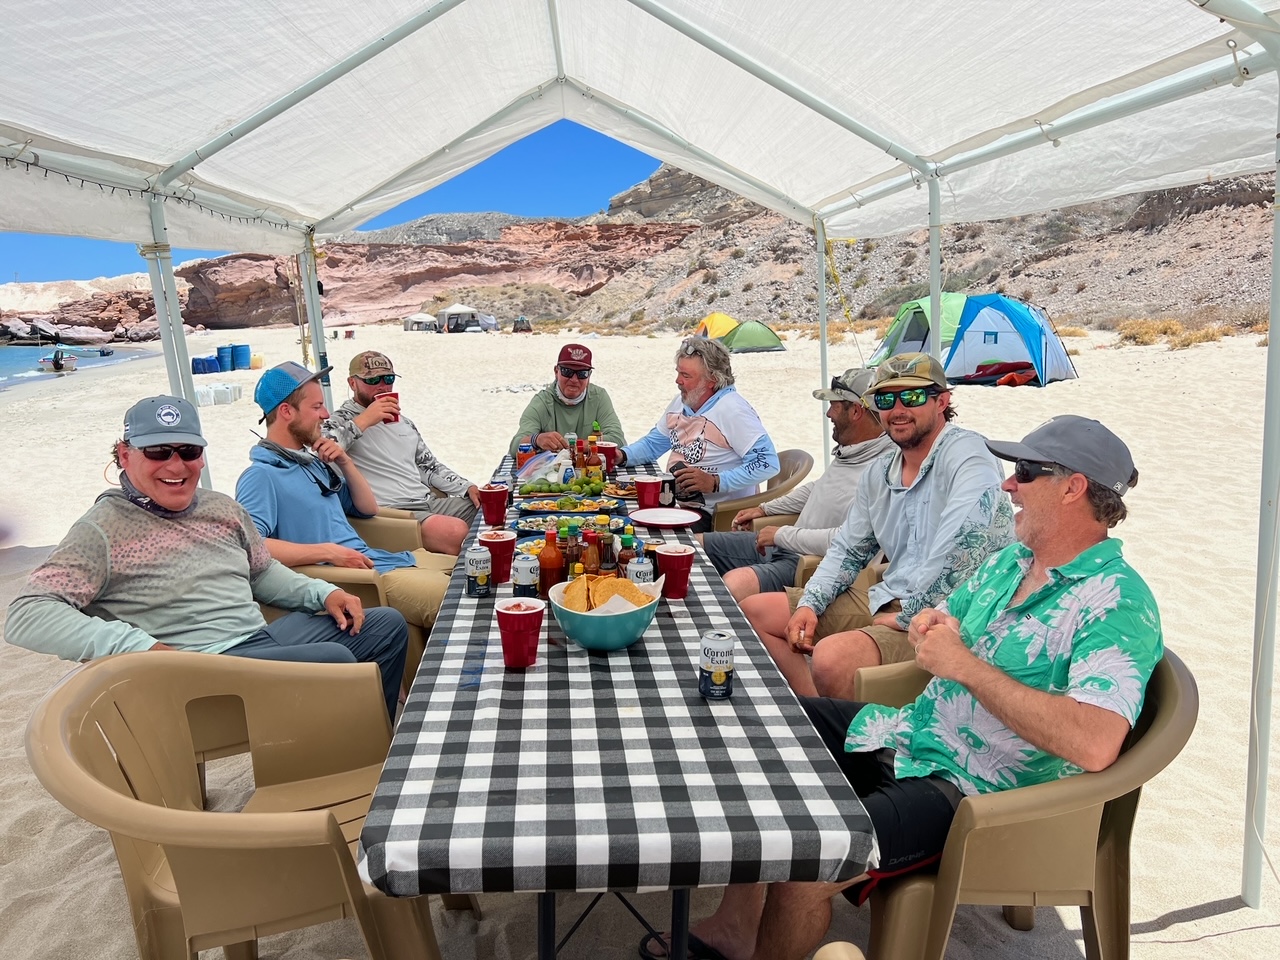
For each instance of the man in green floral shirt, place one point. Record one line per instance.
(1040, 662)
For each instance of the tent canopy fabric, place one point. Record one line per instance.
(752, 336)
(715, 326)
(293, 118)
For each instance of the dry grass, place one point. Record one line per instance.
(1145, 332)
(1072, 332)
(1204, 335)
(1263, 341)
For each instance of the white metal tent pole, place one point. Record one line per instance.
(315, 317)
(935, 268)
(160, 298)
(1264, 610)
(172, 316)
(820, 235)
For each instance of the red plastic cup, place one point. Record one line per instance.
(675, 560)
(501, 545)
(647, 491)
(395, 417)
(609, 452)
(520, 627)
(493, 502)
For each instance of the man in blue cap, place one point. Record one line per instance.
(161, 564)
(301, 486)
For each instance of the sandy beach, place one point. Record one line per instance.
(1193, 419)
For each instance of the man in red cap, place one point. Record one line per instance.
(569, 404)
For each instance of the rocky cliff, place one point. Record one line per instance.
(674, 248)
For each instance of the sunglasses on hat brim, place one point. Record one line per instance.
(187, 452)
(569, 373)
(910, 397)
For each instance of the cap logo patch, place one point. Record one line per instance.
(576, 354)
(168, 415)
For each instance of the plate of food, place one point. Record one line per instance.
(569, 504)
(665, 517)
(622, 488)
(541, 522)
(531, 546)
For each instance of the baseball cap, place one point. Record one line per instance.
(1077, 443)
(575, 355)
(280, 381)
(849, 386)
(158, 420)
(909, 370)
(371, 363)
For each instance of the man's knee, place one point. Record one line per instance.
(387, 626)
(767, 611)
(742, 583)
(837, 658)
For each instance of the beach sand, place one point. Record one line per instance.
(1193, 419)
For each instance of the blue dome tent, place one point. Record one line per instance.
(997, 335)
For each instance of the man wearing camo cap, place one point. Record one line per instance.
(394, 458)
(933, 506)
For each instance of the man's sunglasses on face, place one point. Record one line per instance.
(1027, 471)
(387, 378)
(910, 397)
(188, 452)
(570, 373)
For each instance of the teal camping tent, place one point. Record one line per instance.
(751, 336)
(984, 338)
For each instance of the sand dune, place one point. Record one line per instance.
(1193, 419)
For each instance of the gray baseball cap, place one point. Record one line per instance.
(1077, 443)
(849, 386)
(158, 420)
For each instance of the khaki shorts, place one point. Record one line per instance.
(417, 591)
(850, 611)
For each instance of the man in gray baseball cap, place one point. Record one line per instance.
(1076, 443)
(160, 564)
(765, 560)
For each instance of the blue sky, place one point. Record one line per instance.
(563, 170)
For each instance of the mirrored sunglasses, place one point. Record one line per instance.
(570, 373)
(1027, 471)
(387, 378)
(188, 452)
(910, 397)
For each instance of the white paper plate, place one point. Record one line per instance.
(665, 517)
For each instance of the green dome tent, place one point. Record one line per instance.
(751, 336)
(909, 332)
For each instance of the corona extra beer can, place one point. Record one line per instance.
(640, 570)
(524, 576)
(479, 572)
(715, 672)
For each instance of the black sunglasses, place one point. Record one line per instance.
(330, 483)
(1027, 471)
(910, 397)
(569, 373)
(387, 378)
(188, 452)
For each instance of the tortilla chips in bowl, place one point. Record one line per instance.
(604, 613)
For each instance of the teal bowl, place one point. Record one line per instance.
(609, 632)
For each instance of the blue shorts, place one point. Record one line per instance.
(776, 570)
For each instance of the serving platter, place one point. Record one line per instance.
(668, 517)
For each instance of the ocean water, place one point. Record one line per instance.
(21, 364)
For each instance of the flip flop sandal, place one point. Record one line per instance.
(698, 949)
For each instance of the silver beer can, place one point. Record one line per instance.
(715, 672)
(479, 563)
(524, 575)
(640, 570)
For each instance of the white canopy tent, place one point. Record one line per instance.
(264, 125)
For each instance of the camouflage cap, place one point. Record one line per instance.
(909, 370)
(371, 363)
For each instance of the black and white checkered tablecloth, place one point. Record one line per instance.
(594, 771)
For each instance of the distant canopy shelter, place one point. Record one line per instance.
(984, 339)
(459, 318)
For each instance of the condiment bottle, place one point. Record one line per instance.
(626, 554)
(594, 463)
(580, 460)
(550, 565)
(608, 559)
(591, 554)
(573, 546)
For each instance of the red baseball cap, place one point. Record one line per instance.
(575, 355)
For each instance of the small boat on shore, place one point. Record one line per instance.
(58, 362)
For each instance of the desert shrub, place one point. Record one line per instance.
(637, 315)
(1080, 287)
(909, 258)
(784, 315)
(1263, 341)
(799, 271)
(1053, 288)
(976, 230)
(711, 297)
(680, 303)
(1072, 332)
(1144, 332)
(711, 276)
(810, 297)
(737, 253)
(1190, 338)
(748, 287)
(1026, 295)
(1073, 351)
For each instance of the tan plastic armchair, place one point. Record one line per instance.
(1059, 843)
(113, 743)
(793, 467)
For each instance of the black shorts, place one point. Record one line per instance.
(911, 816)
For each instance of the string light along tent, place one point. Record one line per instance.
(983, 337)
(289, 121)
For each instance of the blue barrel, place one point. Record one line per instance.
(225, 362)
(197, 364)
(240, 356)
(211, 365)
